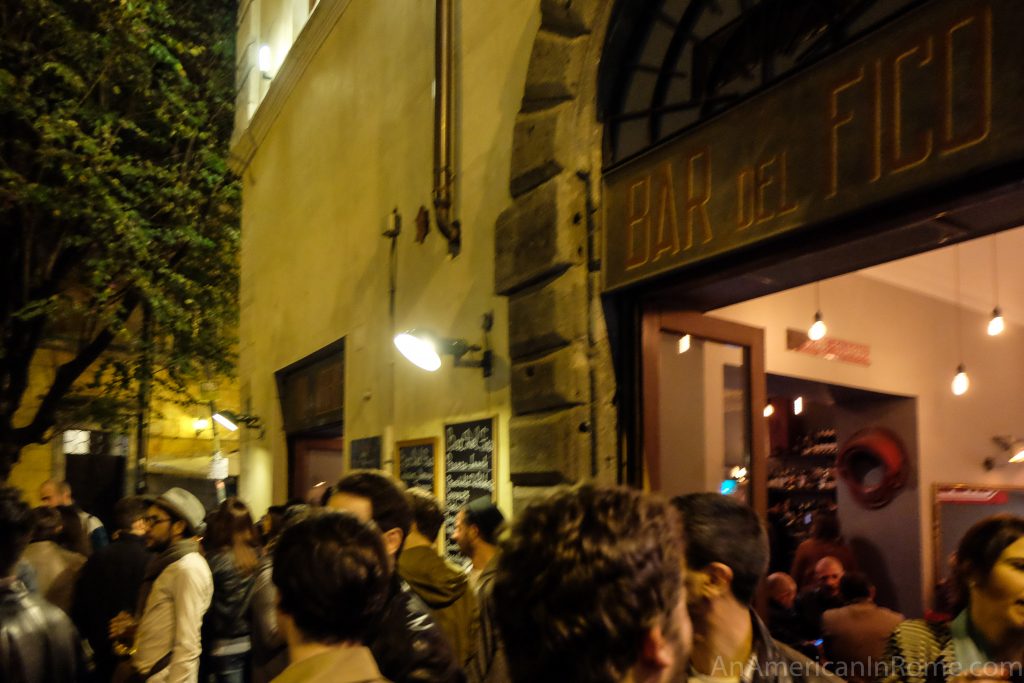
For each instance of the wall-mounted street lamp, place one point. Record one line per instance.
(265, 61)
(231, 421)
(424, 349)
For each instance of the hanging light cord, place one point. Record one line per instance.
(959, 322)
(995, 271)
(817, 296)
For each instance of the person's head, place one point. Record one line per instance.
(825, 526)
(856, 586)
(478, 522)
(48, 524)
(174, 515)
(989, 573)
(590, 587)
(54, 492)
(16, 523)
(828, 572)
(331, 572)
(231, 528)
(270, 523)
(427, 512)
(781, 588)
(130, 516)
(369, 494)
(726, 550)
(72, 536)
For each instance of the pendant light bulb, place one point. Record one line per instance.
(996, 325)
(818, 329)
(960, 382)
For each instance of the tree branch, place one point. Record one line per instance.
(67, 375)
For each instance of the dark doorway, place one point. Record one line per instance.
(315, 460)
(97, 482)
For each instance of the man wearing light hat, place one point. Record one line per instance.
(174, 596)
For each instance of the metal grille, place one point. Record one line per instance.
(667, 65)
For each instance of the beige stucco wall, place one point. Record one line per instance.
(172, 434)
(913, 353)
(353, 141)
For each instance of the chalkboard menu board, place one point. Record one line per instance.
(365, 453)
(469, 470)
(416, 463)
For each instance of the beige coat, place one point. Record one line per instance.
(56, 571)
(855, 637)
(338, 665)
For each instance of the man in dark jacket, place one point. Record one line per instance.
(726, 557)
(440, 583)
(37, 640)
(407, 644)
(110, 581)
(823, 595)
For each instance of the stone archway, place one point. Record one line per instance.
(563, 426)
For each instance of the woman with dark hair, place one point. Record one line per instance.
(826, 541)
(73, 536)
(233, 553)
(986, 639)
(56, 568)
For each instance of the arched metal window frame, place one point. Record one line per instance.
(630, 30)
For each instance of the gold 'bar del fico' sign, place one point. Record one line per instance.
(933, 97)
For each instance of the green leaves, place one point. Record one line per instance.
(115, 118)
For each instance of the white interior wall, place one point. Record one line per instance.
(914, 352)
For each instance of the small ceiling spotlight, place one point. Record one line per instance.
(769, 410)
(996, 325)
(818, 329)
(684, 343)
(424, 349)
(961, 382)
(1011, 446)
(798, 405)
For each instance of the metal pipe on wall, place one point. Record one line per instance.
(444, 127)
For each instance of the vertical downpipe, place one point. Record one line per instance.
(443, 126)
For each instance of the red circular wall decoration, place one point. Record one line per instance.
(873, 463)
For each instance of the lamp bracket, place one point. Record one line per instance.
(485, 361)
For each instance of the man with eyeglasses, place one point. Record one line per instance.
(109, 583)
(175, 594)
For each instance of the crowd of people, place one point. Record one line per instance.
(591, 583)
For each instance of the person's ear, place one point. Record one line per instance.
(393, 540)
(719, 580)
(656, 651)
(178, 528)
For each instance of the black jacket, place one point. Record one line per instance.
(37, 640)
(108, 583)
(228, 616)
(407, 644)
(775, 662)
